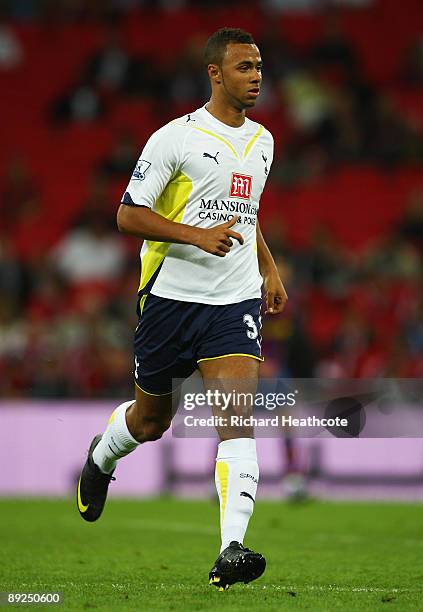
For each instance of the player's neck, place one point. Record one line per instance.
(226, 114)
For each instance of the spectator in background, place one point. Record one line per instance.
(108, 74)
(411, 225)
(19, 196)
(310, 108)
(53, 12)
(324, 107)
(11, 51)
(393, 258)
(90, 253)
(113, 71)
(362, 97)
(411, 336)
(13, 276)
(49, 297)
(277, 239)
(122, 158)
(394, 140)
(51, 380)
(412, 72)
(309, 102)
(83, 104)
(14, 332)
(333, 52)
(188, 85)
(336, 65)
(352, 339)
(281, 57)
(23, 10)
(109, 68)
(98, 204)
(69, 328)
(291, 5)
(326, 263)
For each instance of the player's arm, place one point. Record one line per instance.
(144, 223)
(160, 160)
(274, 290)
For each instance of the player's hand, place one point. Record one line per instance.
(217, 240)
(275, 294)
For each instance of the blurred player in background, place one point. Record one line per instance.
(193, 198)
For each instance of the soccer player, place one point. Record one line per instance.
(193, 198)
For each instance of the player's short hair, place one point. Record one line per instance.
(216, 45)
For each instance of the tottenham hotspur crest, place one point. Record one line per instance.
(140, 170)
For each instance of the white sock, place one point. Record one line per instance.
(236, 476)
(116, 441)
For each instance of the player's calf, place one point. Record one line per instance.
(131, 424)
(97, 473)
(145, 427)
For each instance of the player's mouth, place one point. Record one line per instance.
(254, 91)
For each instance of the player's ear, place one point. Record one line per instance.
(214, 73)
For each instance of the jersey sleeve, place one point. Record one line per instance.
(158, 162)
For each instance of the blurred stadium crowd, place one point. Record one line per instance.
(83, 86)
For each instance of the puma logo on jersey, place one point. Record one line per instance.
(264, 158)
(189, 118)
(212, 156)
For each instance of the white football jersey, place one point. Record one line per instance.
(202, 172)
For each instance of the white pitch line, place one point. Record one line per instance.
(266, 587)
(332, 588)
(279, 587)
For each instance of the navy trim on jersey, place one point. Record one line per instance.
(128, 201)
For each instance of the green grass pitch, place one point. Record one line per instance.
(156, 555)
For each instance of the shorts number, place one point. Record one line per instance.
(252, 332)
